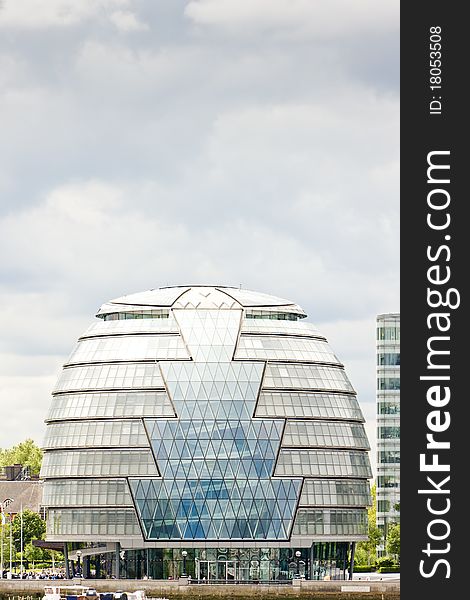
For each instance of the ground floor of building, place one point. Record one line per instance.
(323, 560)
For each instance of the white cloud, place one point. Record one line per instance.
(37, 14)
(209, 152)
(303, 17)
(126, 21)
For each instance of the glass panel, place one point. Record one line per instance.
(95, 433)
(337, 492)
(90, 463)
(96, 522)
(250, 325)
(125, 348)
(86, 492)
(323, 463)
(114, 324)
(334, 522)
(324, 433)
(308, 404)
(131, 375)
(306, 377)
(269, 347)
(111, 404)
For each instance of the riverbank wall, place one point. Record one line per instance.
(174, 590)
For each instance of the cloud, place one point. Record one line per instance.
(126, 21)
(300, 17)
(251, 143)
(37, 14)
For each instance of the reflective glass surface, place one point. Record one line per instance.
(216, 461)
(329, 521)
(324, 434)
(284, 348)
(82, 521)
(87, 492)
(96, 463)
(306, 377)
(125, 348)
(130, 375)
(223, 420)
(229, 508)
(270, 326)
(95, 433)
(111, 404)
(337, 492)
(323, 463)
(304, 404)
(130, 326)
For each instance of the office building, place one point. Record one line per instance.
(388, 421)
(210, 431)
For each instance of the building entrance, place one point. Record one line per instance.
(211, 570)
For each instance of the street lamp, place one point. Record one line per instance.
(79, 554)
(184, 554)
(298, 554)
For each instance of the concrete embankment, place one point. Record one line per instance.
(173, 590)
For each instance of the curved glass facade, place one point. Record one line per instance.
(207, 417)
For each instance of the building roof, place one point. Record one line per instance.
(26, 494)
(199, 296)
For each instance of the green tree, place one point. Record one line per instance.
(34, 528)
(33, 554)
(26, 453)
(393, 540)
(366, 552)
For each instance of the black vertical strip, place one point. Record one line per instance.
(434, 254)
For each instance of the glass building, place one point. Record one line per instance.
(208, 431)
(388, 421)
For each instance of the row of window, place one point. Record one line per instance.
(279, 327)
(389, 456)
(330, 522)
(388, 359)
(135, 314)
(339, 492)
(157, 404)
(95, 434)
(86, 492)
(132, 375)
(304, 404)
(268, 347)
(98, 463)
(389, 332)
(96, 522)
(388, 383)
(131, 326)
(110, 404)
(323, 463)
(272, 315)
(127, 348)
(321, 433)
(306, 377)
(388, 432)
(388, 481)
(389, 407)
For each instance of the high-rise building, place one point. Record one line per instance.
(206, 430)
(388, 420)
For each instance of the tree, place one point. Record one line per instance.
(26, 453)
(34, 554)
(34, 528)
(366, 552)
(393, 540)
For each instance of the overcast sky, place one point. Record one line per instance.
(159, 142)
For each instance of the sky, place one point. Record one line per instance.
(163, 142)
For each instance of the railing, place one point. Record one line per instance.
(241, 582)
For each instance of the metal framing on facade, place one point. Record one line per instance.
(205, 417)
